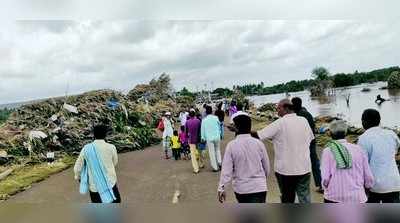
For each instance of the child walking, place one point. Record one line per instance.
(176, 146)
(184, 144)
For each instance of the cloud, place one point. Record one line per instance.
(44, 58)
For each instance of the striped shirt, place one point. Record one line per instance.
(246, 164)
(346, 185)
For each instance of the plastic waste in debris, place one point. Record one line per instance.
(112, 104)
(3, 153)
(54, 118)
(37, 135)
(323, 129)
(125, 111)
(50, 157)
(56, 130)
(70, 108)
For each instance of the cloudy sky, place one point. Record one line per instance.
(50, 57)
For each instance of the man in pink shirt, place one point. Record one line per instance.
(291, 136)
(345, 170)
(246, 164)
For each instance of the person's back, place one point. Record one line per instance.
(211, 128)
(307, 115)
(193, 126)
(220, 114)
(291, 138)
(100, 172)
(108, 157)
(346, 185)
(182, 137)
(247, 152)
(382, 146)
(246, 164)
(175, 142)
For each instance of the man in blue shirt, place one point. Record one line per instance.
(211, 133)
(381, 146)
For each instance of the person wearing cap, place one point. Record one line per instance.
(344, 168)
(167, 133)
(211, 134)
(381, 146)
(291, 136)
(246, 164)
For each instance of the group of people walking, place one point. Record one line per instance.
(197, 131)
(347, 173)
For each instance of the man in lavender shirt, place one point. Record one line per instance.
(345, 170)
(246, 164)
(193, 126)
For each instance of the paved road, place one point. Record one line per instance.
(145, 178)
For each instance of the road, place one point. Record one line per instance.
(145, 178)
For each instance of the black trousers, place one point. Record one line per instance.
(260, 197)
(393, 197)
(176, 153)
(290, 185)
(95, 197)
(315, 164)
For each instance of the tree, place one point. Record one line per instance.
(394, 80)
(343, 80)
(320, 73)
(223, 92)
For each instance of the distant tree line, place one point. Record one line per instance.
(344, 80)
(319, 74)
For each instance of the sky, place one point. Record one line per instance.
(44, 58)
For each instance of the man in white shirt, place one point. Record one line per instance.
(183, 115)
(291, 136)
(108, 158)
(167, 133)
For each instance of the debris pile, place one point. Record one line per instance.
(157, 90)
(64, 125)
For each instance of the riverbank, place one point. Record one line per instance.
(23, 176)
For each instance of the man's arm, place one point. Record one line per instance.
(364, 145)
(368, 176)
(265, 159)
(227, 170)
(78, 165)
(268, 132)
(326, 162)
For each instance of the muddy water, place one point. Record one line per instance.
(336, 104)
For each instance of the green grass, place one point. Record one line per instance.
(24, 176)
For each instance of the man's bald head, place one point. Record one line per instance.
(285, 106)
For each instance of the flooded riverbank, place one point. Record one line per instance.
(336, 105)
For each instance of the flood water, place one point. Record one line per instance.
(336, 105)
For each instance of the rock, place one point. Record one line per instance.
(267, 107)
(3, 153)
